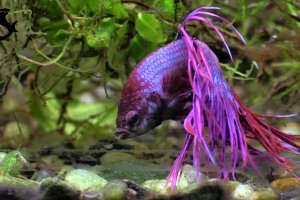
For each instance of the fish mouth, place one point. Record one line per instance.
(122, 133)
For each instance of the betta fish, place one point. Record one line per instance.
(183, 81)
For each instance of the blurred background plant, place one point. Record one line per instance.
(62, 72)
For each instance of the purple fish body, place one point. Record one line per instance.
(147, 91)
(149, 72)
(183, 81)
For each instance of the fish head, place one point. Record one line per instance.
(137, 114)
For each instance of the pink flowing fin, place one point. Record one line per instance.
(218, 118)
(228, 120)
(196, 15)
(176, 169)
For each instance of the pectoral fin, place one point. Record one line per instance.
(177, 94)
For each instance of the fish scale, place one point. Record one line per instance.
(161, 62)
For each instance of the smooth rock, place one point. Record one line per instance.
(87, 195)
(242, 192)
(115, 190)
(266, 194)
(284, 184)
(156, 185)
(189, 173)
(160, 185)
(247, 192)
(85, 180)
(232, 185)
(12, 164)
(9, 180)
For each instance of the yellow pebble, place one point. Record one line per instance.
(264, 195)
(284, 184)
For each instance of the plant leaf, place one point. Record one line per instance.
(76, 5)
(46, 114)
(150, 28)
(168, 8)
(139, 47)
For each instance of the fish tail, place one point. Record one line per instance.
(218, 120)
(273, 140)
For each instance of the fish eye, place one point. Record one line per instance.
(133, 118)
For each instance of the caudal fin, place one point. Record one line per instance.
(218, 118)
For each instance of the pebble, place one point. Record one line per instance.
(156, 186)
(85, 180)
(189, 173)
(284, 184)
(247, 192)
(267, 194)
(115, 190)
(242, 192)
